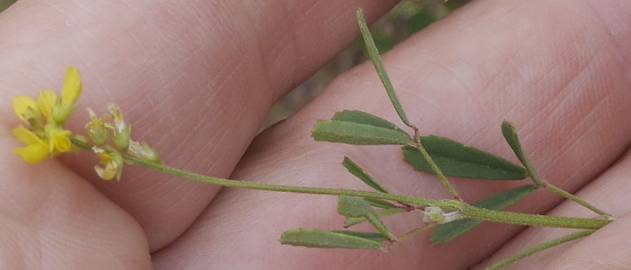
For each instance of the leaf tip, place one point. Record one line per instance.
(359, 14)
(508, 127)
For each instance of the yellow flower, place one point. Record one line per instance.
(44, 135)
(72, 87)
(69, 95)
(59, 140)
(27, 110)
(46, 102)
(35, 150)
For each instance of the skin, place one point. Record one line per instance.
(196, 80)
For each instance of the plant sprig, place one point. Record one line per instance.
(110, 139)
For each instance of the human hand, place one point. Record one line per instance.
(196, 80)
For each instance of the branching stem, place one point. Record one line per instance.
(439, 173)
(557, 190)
(467, 210)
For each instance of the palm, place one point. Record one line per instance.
(203, 76)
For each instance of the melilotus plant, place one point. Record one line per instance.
(109, 138)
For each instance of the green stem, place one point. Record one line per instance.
(538, 248)
(508, 130)
(507, 217)
(439, 173)
(467, 210)
(375, 58)
(557, 190)
(540, 182)
(419, 202)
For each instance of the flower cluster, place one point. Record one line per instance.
(42, 120)
(110, 139)
(42, 130)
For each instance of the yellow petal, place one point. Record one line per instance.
(26, 109)
(26, 136)
(46, 101)
(59, 141)
(72, 88)
(33, 153)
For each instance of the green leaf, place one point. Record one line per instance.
(383, 41)
(380, 203)
(352, 221)
(359, 134)
(420, 20)
(513, 140)
(335, 239)
(357, 207)
(353, 207)
(373, 53)
(452, 230)
(357, 171)
(365, 118)
(4, 4)
(458, 160)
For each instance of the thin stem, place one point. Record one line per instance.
(507, 217)
(439, 173)
(538, 248)
(418, 202)
(375, 58)
(467, 210)
(554, 189)
(540, 182)
(513, 140)
(534, 176)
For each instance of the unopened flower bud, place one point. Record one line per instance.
(96, 129)
(433, 214)
(122, 130)
(143, 151)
